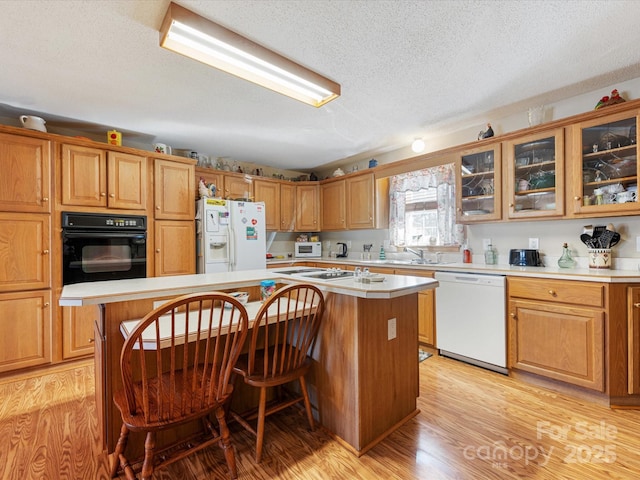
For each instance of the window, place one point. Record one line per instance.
(422, 206)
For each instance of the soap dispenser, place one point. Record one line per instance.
(383, 256)
(490, 257)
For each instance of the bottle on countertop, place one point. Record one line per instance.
(566, 260)
(490, 255)
(383, 256)
(466, 254)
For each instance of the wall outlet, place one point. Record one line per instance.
(391, 329)
(534, 243)
(485, 243)
(637, 244)
(348, 242)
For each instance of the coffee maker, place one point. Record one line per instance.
(342, 250)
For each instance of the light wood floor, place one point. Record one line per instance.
(473, 424)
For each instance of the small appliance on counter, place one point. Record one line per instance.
(342, 252)
(308, 249)
(524, 257)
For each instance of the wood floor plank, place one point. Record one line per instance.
(473, 424)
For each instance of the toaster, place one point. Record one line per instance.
(524, 257)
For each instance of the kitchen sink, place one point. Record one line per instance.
(401, 262)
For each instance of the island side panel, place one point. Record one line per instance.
(364, 384)
(388, 368)
(334, 377)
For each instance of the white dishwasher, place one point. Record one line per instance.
(470, 319)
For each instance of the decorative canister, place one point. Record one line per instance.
(267, 287)
(599, 257)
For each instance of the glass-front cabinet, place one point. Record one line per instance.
(478, 185)
(534, 166)
(605, 177)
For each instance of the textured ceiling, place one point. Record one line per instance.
(406, 68)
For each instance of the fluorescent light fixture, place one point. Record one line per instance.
(189, 34)
(418, 145)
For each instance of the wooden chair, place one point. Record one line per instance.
(171, 377)
(282, 338)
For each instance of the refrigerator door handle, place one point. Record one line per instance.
(231, 251)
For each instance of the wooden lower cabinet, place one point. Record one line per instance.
(25, 329)
(426, 318)
(175, 248)
(426, 309)
(77, 331)
(633, 326)
(557, 331)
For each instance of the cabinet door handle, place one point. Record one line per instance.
(45, 199)
(511, 205)
(157, 207)
(157, 250)
(45, 252)
(637, 305)
(102, 194)
(91, 340)
(112, 195)
(552, 293)
(576, 198)
(46, 304)
(512, 315)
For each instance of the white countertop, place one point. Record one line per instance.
(94, 293)
(584, 274)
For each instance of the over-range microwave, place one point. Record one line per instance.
(308, 249)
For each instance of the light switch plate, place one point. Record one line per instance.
(534, 243)
(391, 329)
(485, 243)
(637, 244)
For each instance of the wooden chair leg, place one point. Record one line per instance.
(260, 428)
(307, 402)
(149, 451)
(225, 443)
(119, 450)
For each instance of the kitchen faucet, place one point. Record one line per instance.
(420, 253)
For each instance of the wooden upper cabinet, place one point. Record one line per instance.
(209, 176)
(25, 182)
(127, 180)
(308, 208)
(287, 207)
(605, 164)
(479, 183)
(268, 191)
(334, 206)
(360, 201)
(24, 251)
(86, 180)
(237, 186)
(174, 190)
(534, 181)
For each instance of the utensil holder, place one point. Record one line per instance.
(599, 257)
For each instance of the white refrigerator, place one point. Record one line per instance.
(230, 235)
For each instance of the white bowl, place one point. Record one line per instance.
(242, 297)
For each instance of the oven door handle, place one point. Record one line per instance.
(104, 235)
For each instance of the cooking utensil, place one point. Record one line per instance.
(605, 239)
(598, 230)
(586, 239)
(614, 240)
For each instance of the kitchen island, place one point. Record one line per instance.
(364, 380)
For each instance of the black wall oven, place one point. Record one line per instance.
(103, 247)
